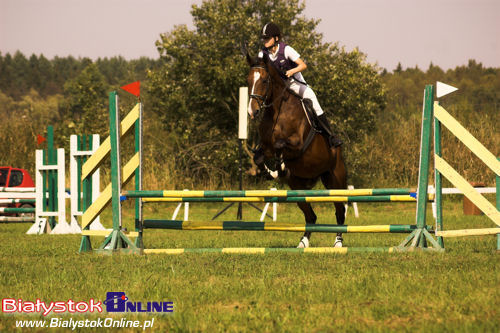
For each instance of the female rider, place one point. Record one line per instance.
(289, 64)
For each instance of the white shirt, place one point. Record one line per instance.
(290, 54)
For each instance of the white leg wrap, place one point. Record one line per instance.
(304, 242)
(338, 241)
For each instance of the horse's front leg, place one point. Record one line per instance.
(310, 218)
(261, 155)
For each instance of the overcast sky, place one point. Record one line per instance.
(413, 32)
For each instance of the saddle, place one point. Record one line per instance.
(312, 118)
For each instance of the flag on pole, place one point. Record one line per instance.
(134, 88)
(444, 89)
(40, 139)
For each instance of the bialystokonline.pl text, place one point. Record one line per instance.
(73, 324)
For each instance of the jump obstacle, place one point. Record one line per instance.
(48, 197)
(117, 240)
(12, 195)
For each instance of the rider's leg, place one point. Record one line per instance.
(334, 140)
(306, 92)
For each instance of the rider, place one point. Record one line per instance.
(288, 62)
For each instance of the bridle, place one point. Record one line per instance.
(261, 100)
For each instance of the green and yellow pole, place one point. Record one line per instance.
(420, 236)
(86, 201)
(438, 182)
(138, 179)
(117, 240)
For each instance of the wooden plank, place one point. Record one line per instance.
(468, 139)
(104, 199)
(468, 232)
(104, 149)
(459, 182)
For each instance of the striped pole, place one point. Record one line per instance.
(273, 226)
(380, 198)
(17, 210)
(16, 219)
(12, 201)
(264, 250)
(17, 189)
(266, 193)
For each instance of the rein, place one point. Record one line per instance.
(262, 104)
(262, 99)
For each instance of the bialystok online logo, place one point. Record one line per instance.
(115, 302)
(10, 305)
(118, 302)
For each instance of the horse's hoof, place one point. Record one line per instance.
(338, 242)
(304, 242)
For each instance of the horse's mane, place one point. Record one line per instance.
(266, 63)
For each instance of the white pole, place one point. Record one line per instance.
(354, 204)
(243, 115)
(178, 208)
(74, 195)
(62, 226)
(40, 223)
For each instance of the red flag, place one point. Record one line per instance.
(134, 88)
(40, 139)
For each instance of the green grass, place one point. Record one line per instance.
(428, 292)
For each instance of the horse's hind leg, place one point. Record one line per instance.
(296, 183)
(331, 181)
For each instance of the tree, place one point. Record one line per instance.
(195, 92)
(86, 101)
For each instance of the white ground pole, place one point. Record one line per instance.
(7, 193)
(266, 207)
(10, 195)
(73, 166)
(62, 226)
(354, 204)
(452, 190)
(186, 210)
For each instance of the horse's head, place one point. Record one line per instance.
(259, 83)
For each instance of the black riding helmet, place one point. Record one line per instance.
(270, 30)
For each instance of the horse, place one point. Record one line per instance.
(285, 132)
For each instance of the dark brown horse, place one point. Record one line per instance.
(284, 130)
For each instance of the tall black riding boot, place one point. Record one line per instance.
(333, 140)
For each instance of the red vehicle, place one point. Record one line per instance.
(15, 177)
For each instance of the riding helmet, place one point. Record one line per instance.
(270, 30)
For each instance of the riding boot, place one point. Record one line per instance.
(333, 140)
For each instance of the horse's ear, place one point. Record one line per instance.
(249, 59)
(266, 59)
(244, 51)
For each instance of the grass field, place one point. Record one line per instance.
(426, 292)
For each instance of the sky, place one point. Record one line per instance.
(412, 32)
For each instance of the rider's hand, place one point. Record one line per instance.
(289, 73)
